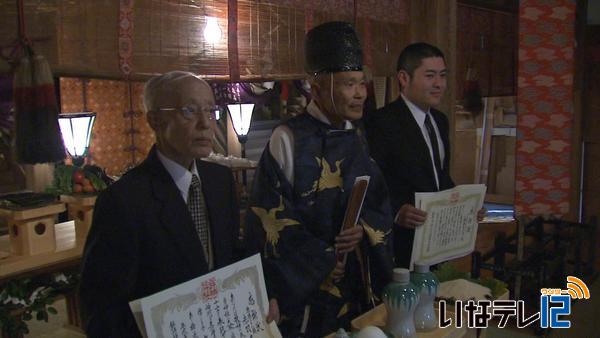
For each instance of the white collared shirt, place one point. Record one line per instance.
(281, 144)
(183, 179)
(419, 116)
(181, 176)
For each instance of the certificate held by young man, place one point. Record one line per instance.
(450, 229)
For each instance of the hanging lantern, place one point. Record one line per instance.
(76, 130)
(241, 116)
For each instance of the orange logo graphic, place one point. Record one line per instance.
(577, 288)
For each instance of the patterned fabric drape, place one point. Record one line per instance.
(125, 35)
(109, 99)
(545, 105)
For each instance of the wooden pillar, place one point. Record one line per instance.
(578, 99)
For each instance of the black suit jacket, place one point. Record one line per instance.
(142, 240)
(398, 146)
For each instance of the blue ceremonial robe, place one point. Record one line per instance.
(294, 227)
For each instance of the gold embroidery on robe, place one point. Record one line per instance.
(330, 288)
(329, 179)
(271, 223)
(343, 310)
(375, 236)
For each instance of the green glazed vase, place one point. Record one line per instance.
(401, 298)
(427, 284)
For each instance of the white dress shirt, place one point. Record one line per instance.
(419, 116)
(181, 176)
(183, 179)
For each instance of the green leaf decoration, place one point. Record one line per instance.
(95, 180)
(23, 299)
(447, 272)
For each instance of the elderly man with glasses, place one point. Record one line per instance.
(169, 220)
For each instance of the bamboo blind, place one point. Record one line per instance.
(168, 35)
(80, 38)
(270, 40)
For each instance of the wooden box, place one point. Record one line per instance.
(81, 209)
(31, 231)
(378, 317)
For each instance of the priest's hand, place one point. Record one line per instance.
(273, 314)
(348, 239)
(410, 217)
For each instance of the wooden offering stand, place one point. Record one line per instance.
(31, 230)
(81, 209)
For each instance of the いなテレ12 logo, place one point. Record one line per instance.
(555, 303)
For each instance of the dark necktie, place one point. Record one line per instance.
(197, 209)
(434, 145)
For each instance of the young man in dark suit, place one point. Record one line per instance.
(408, 138)
(169, 220)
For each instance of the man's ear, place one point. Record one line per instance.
(320, 87)
(154, 120)
(403, 79)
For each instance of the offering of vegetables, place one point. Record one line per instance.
(69, 179)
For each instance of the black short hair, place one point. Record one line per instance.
(412, 55)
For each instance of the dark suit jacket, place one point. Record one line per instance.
(142, 240)
(398, 146)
